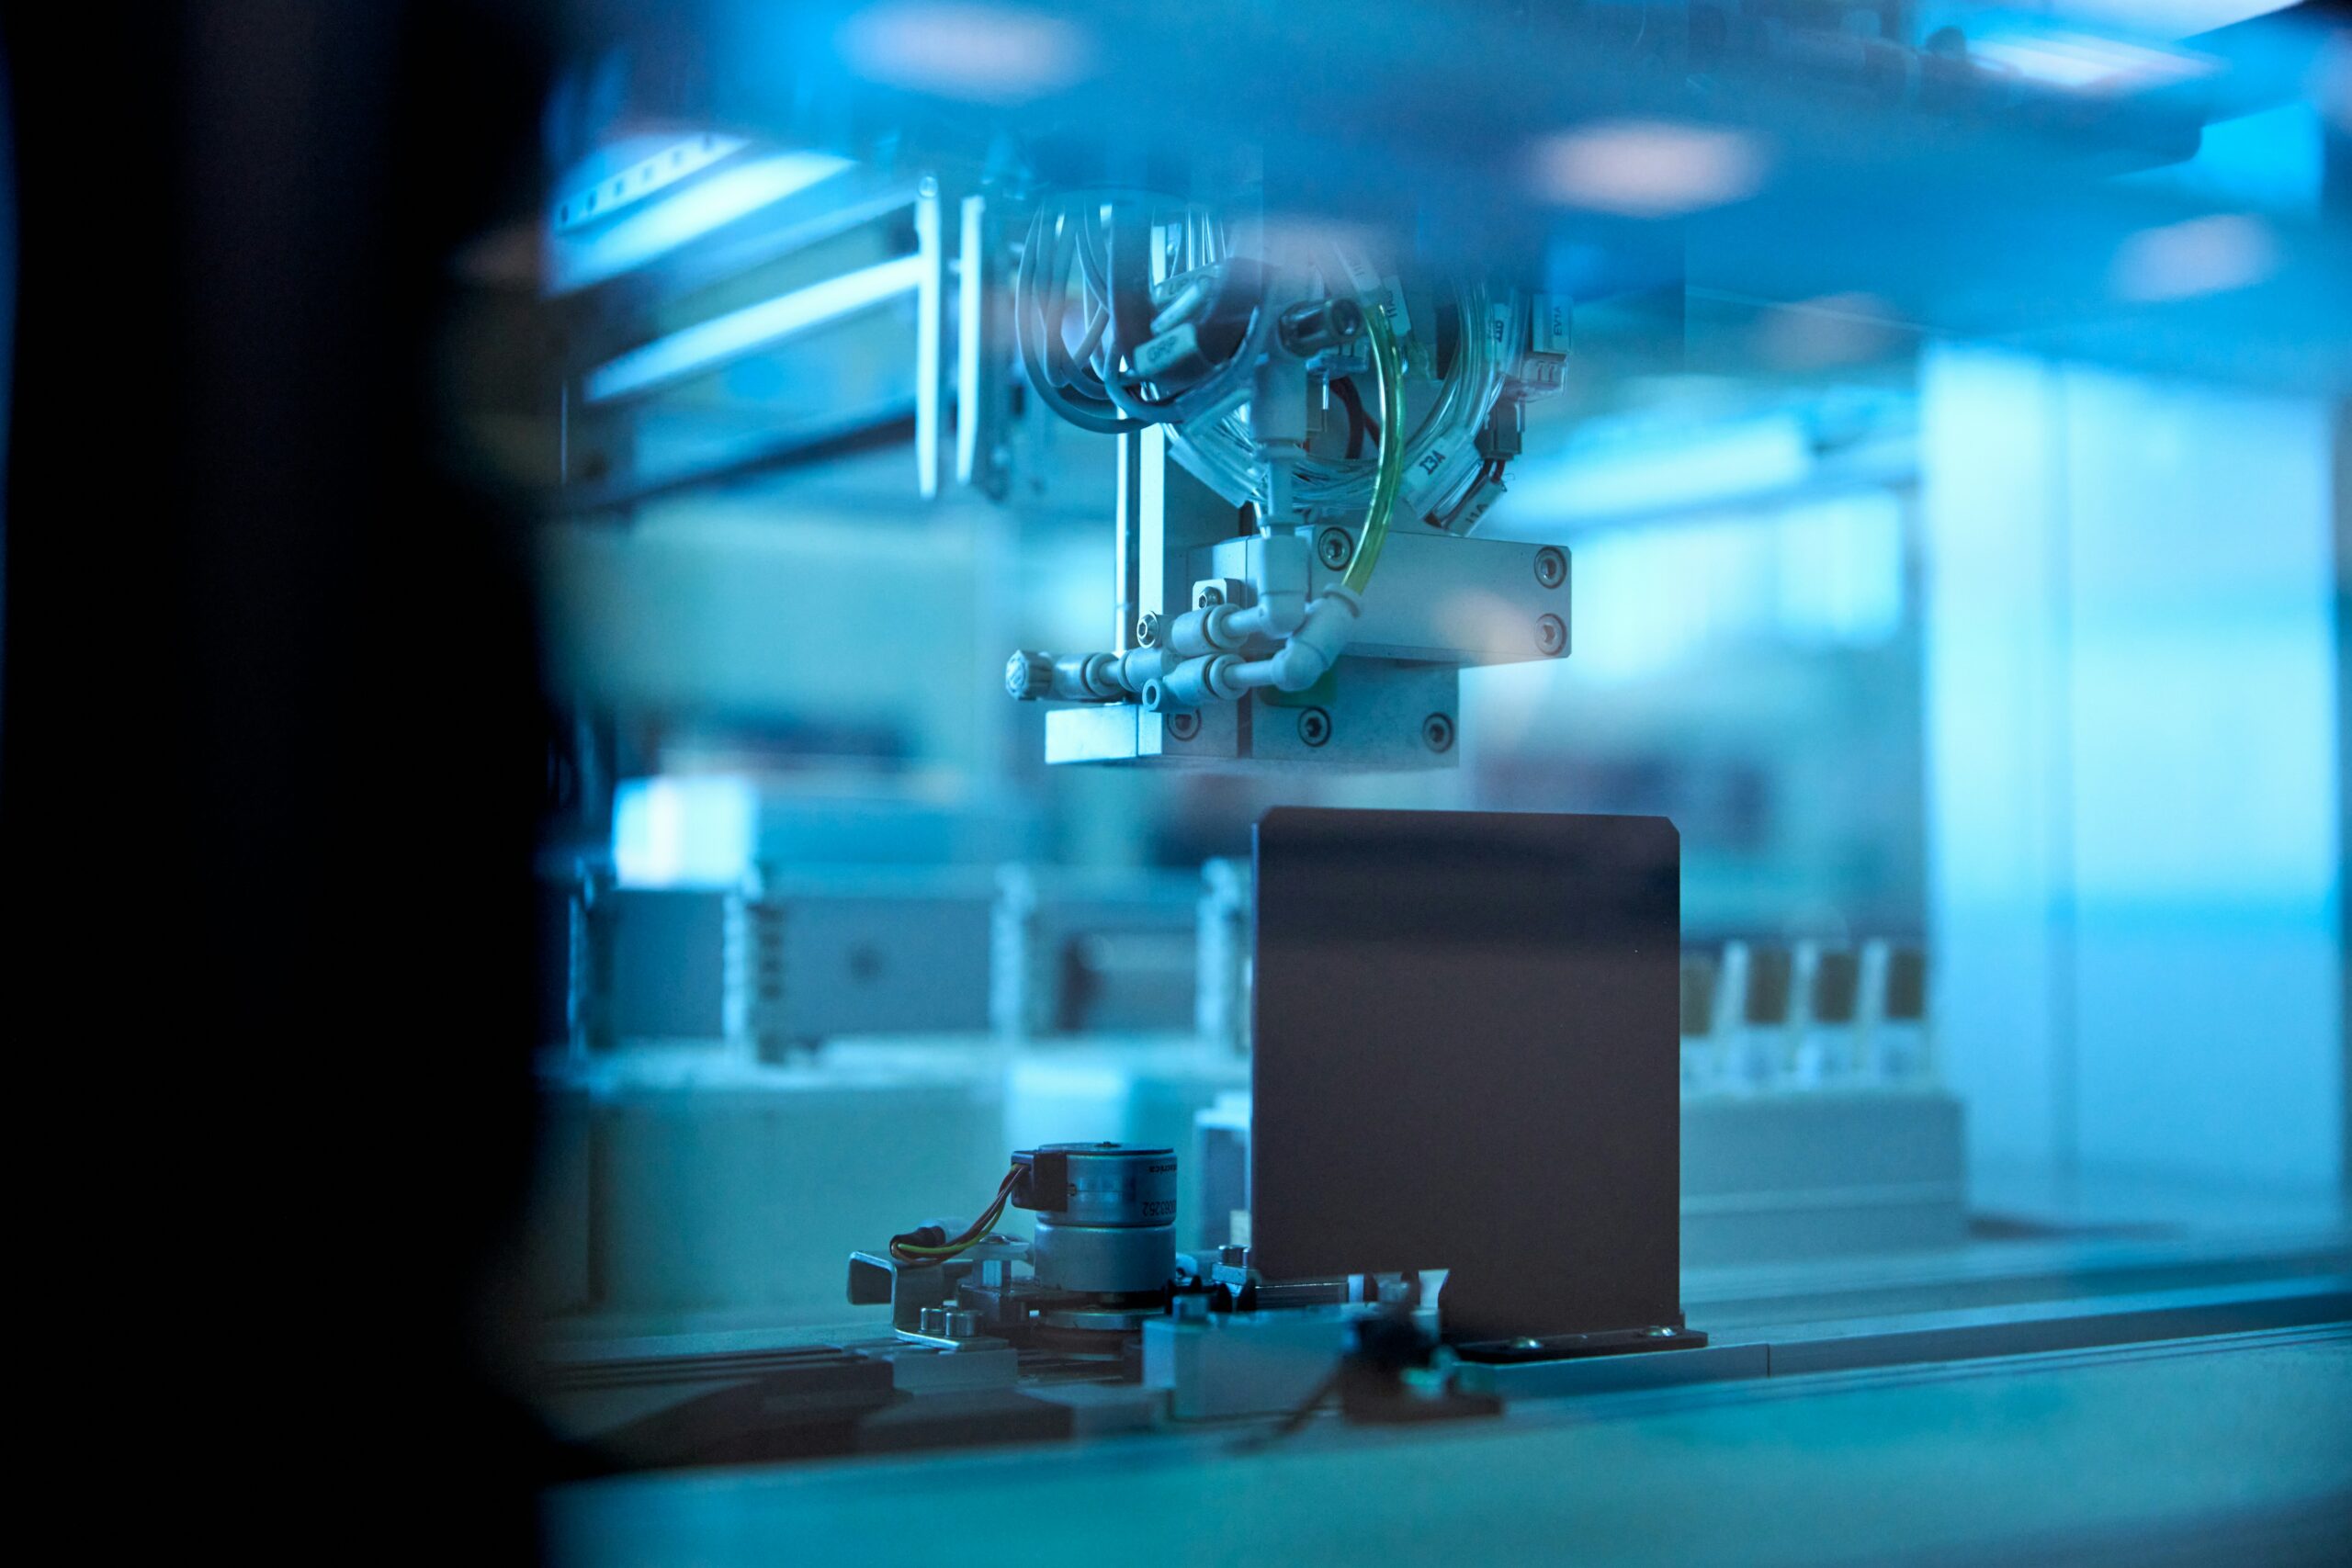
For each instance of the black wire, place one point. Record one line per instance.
(1360, 424)
(1128, 275)
(1299, 1416)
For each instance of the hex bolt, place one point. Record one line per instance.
(1334, 549)
(1437, 732)
(1315, 726)
(1551, 634)
(1184, 726)
(1551, 566)
(1147, 627)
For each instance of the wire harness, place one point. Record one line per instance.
(931, 1243)
(1115, 336)
(1224, 453)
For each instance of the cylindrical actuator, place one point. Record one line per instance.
(1106, 1216)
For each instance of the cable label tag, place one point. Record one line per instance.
(1498, 331)
(1555, 327)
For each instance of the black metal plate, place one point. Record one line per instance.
(1467, 1058)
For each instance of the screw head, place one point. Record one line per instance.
(1184, 726)
(1315, 726)
(1334, 549)
(1551, 566)
(1208, 595)
(1551, 634)
(1147, 627)
(1437, 732)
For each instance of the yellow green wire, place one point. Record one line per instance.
(913, 1253)
(1388, 369)
(987, 1222)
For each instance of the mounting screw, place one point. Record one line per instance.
(1437, 732)
(1552, 633)
(1210, 594)
(1184, 726)
(1551, 567)
(1148, 629)
(1315, 726)
(1334, 549)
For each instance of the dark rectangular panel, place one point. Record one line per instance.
(1467, 1058)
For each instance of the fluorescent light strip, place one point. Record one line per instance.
(709, 344)
(577, 260)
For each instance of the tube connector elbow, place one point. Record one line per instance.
(1275, 616)
(1282, 574)
(1315, 646)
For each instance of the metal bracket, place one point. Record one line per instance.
(877, 1279)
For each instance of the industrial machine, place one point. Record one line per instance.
(1669, 816)
(1277, 413)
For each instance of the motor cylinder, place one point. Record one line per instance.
(1106, 1216)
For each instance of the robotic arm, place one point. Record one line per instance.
(1268, 482)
